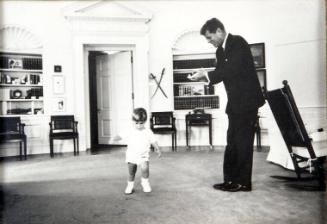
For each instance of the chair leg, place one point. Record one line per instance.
(172, 142)
(175, 135)
(77, 145)
(51, 147)
(74, 146)
(25, 149)
(20, 151)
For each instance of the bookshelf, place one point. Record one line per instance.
(193, 94)
(21, 84)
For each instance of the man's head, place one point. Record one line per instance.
(214, 31)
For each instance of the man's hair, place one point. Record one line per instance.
(139, 114)
(212, 25)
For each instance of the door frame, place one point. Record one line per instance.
(92, 85)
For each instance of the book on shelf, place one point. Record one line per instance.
(193, 90)
(21, 62)
(195, 102)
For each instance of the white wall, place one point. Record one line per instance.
(294, 36)
(293, 31)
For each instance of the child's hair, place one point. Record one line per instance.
(139, 115)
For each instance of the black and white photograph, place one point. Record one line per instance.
(258, 53)
(163, 112)
(58, 104)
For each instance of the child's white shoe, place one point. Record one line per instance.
(146, 185)
(130, 187)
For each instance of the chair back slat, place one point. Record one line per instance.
(62, 122)
(162, 118)
(9, 124)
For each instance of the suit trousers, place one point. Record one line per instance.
(238, 156)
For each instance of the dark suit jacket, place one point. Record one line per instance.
(238, 74)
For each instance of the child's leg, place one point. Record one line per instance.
(131, 171)
(145, 169)
(130, 183)
(145, 176)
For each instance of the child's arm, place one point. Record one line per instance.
(116, 139)
(156, 148)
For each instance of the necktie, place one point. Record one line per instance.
(220, 56)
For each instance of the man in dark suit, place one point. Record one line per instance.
(235, 68)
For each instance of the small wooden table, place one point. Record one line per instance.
(198, 119)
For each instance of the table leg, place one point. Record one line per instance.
(210, 133)
(186, 134)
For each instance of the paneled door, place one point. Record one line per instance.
(114, 94)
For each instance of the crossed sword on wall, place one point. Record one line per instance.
(158, 83)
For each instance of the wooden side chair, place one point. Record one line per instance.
(164, 123)
(12, 130)
(63, 127)
(307, 152)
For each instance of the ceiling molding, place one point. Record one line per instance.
(106, 11)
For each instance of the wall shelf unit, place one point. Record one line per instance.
(21, 84)
(193, 94)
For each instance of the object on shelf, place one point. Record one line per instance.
(38, 110)
(19, 111)
(16, 94)
(34, 93)
(15, 63)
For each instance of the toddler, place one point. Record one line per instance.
(139, 140)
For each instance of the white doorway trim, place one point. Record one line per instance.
(111, 111)
(107, 23)
(139, 47)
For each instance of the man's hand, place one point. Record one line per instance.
(199, 75)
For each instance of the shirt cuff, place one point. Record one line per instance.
(207, 77)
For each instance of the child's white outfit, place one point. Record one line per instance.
(138, 151)
(138, 145)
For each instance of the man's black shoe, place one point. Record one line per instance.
(237, 187)
(221, 186)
